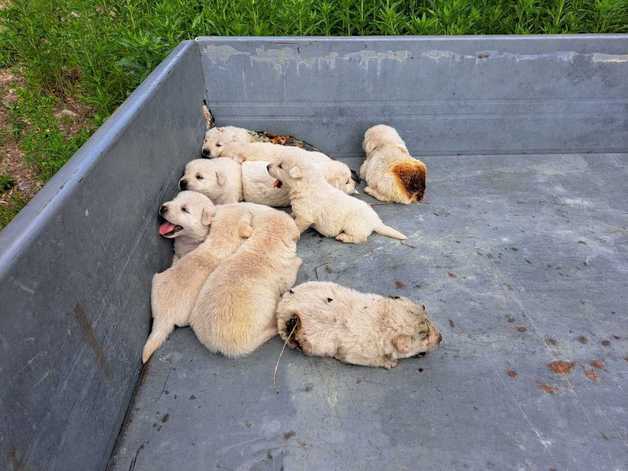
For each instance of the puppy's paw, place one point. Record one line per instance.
(390, 362)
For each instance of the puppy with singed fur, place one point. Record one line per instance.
(175, 290)
(330, 211)
(391, 173)
(218, 179)
(328, 320)
(235, 310)
(186, 220)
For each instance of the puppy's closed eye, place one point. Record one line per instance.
(185, 209)
(199, 176)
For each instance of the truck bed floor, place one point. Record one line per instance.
(521, 261)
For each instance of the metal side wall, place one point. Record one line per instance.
(445, 95)
(75, 273)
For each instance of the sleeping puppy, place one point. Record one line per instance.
(218, 179)
(330, 211)
(175, 290)
(215, 137)
(389, 170)
(186, 220)
(235, 310)
(329, 320)
(336, 173)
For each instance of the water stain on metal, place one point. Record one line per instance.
(561, 367)
(90, 337)
(521, 328)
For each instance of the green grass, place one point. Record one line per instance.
(99, 50)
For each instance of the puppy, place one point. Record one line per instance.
(330, 211)
(336, 173)
(329, 320)
(215, 137)
(186, 220)
(175, 290)
(257, 186)
(390, 171)
(218, 179)
(235, 310)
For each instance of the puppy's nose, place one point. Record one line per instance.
(163, 209)
(183, 184)
(205, 153)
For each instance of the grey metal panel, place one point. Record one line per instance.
(470, 95)
(521, 260)
(75, 271)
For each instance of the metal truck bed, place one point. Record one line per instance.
(520, 252)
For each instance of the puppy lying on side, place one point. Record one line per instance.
(175, 290)
(235, 310)
(187, 218)
(218, 179)
(389, 170)
(329, 320)
(336, 173)
(218, 136)
(330, 211)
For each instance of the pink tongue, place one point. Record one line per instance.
(165, 228)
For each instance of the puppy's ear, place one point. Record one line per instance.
(402, 343)
(295, 172)
(209, 117)
(245, 229)
(369, 145)
(207, 215)
(220, 179)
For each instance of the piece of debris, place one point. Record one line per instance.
(548, 388)
(289, 435)
(451, 323)
(451, 275)
(399, 284)
(582, 339)
(561, 367)
(521, 328)
(606, 343)
(165, 418)
(512, 373)
(551, 341)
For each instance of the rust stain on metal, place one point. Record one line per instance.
(90, 337)
(547, 388)
(591, 374)
(512, 373)
(561, 367)
(399, 284)
(599, 364)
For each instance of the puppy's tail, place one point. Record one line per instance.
(388, 231)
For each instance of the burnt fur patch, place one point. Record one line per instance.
(411, 176)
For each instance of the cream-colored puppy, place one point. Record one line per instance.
(391, 173)
(336, 173)
(186, 220)
(330, 211)
(257, 186)
(218, 179)
(176, 289)
(329, 320)
(235, 310)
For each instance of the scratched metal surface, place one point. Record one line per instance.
(521, 261)
(75, 272)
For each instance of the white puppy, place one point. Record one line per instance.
(176, 289)
(218, 179)
(336, 173)
(187, 218)
(329, 320)
(330, 211)
(391, 173)
(235, 310)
